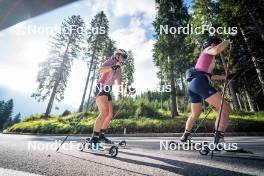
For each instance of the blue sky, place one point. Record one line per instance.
(130, 26)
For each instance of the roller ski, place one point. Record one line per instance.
(186, 138)
(221, 147)
(95, 146)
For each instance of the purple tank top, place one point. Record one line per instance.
(204, 62)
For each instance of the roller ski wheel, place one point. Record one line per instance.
(113, 151)
(109, 150)
(204, 151)
(173, 142)
(99, 148)
(122, 144)
(84, 144)
(175, 145)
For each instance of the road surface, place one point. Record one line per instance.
(35, 155)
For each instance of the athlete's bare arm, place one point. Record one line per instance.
(218, 77)
(218, 48)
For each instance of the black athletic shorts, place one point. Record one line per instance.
(103, 90)
(200, 88)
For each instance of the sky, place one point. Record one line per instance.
(130, 26)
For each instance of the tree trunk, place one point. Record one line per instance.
(161, 99)
(87, 79)
(249, 97)
(253, 58)
(89, 72)
(251, 106)
(177, 103)
(90, 91)
(239, 102)
(231, 86)
(244, 100)
(85, 87)
(259, 29)
(173, 100)
(51, 100)
(174, 112)
(161, 92)
(52, 97)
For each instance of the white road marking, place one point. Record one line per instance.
(10, 172)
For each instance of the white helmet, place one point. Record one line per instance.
(122, 52)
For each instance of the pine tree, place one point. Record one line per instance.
(109, 48)
(105, 53)
(97, 40)
(128, 70)
(168, 49)
(17, 118)
(247, 16)
(6, 113)
(1, 112)
(54, 72)
(11, 121)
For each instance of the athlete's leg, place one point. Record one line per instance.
(196, 110)
(102, 104)
(215, 100)
(106, 123)
(109, 116)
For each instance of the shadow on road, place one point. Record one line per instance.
(107, 165)
(179, 167)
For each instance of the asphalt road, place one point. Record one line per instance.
(35, 155)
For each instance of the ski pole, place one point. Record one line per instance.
(205, 118)
(77, 123)
(121, 107)
(222, 101)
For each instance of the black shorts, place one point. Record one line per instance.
(101, 90)
(200, 88)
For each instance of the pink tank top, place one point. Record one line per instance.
(109, 77)
(205, 62)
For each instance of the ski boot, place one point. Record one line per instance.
(219, 137)
(186, 137)
(95, 144)
(105, 140)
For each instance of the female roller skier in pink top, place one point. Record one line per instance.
(110, 72)
(200, 88)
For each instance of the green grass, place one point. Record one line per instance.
(240, 122)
